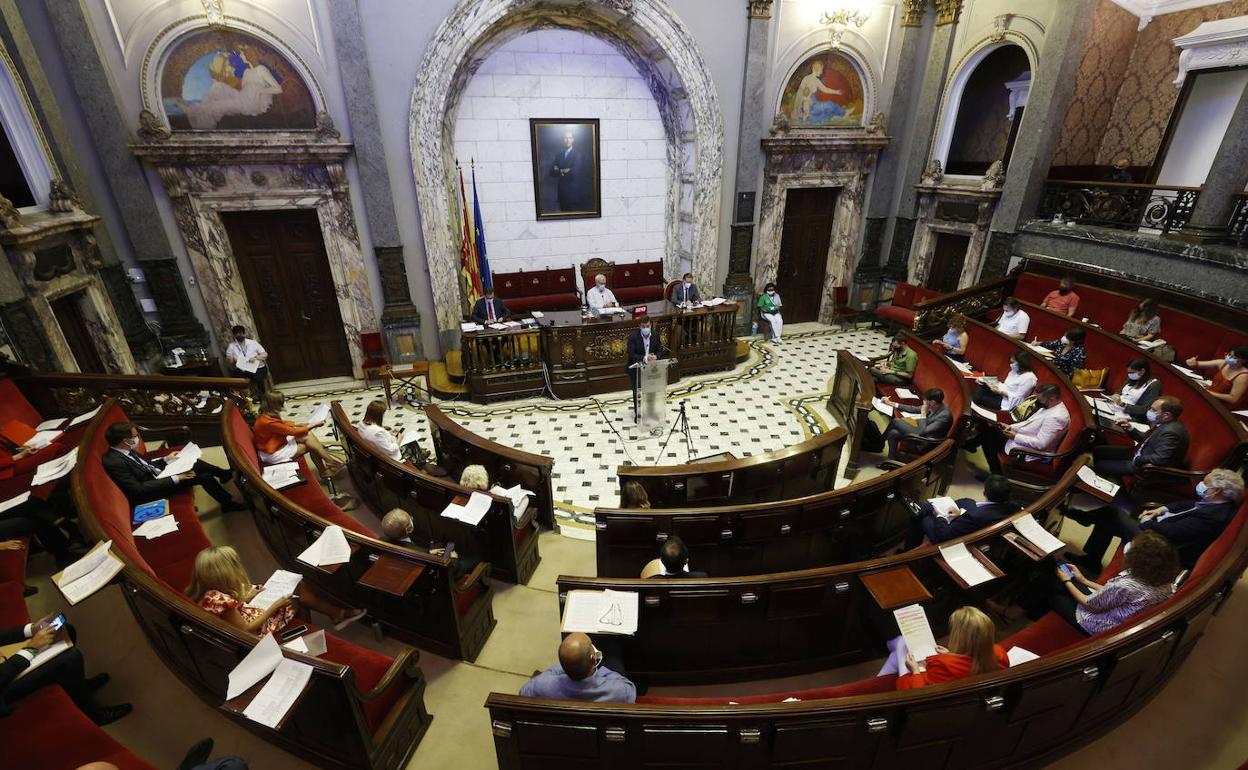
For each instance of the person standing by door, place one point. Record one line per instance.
(248, 359)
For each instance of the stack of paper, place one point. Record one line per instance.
(988, 379)
(56, 423)
(472, 512)
(410, 436)
(882, 407)
(330, 548)
(1102, 485)
(89, 574)
(963, 562)
(1150, 344)
(511, 324)
(471, 327)
(498, 326)
(309, 644)
(987, 414)
(15, 501)
(905, 393)
(945, 507)
(1190, 373)
(183, 462)
(1040, 351)
(154, 528)
(611, 310)
(1018, 656)
(259, 663)
(43, 438)
(55, 469)
(1241, 412)
(249, 365)
(863, 359)
(713, 302)
(280, 585)
(962, 366)
(912, 621)
(281, 475)
(83, 417)
(601, 612)
(1041, 538)
(319, 414)
(277, 696)
(519, 497)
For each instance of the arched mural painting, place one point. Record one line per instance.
(824, 92)
(225, 80)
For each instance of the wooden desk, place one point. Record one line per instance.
(895, 588)
(979, 556)
(392, 575)
(237, 705)
(407, 376)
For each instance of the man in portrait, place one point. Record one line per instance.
(569, 170)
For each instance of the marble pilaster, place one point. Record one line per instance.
(942, 209)
(926, 113)
(1226, 178)
(653, 38)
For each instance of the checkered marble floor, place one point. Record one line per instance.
(772, 400)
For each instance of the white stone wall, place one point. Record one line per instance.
(563, 74)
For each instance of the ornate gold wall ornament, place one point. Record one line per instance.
(948, 11)
(760, 9)
(912, 13)
(151, 129)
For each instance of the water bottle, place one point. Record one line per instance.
(754, 328)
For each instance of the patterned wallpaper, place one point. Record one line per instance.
(983, 128)
(1105, 61)
(1147, 96)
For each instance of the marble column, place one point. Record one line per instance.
(903, 87)
(739, 285)
(125, 178)
(1227, 177)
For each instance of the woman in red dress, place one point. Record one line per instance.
(972, 650)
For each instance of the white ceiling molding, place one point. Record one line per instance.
(1219, 43)
(1147, 10)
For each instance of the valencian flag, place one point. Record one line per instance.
(468, 275)
(483, 264)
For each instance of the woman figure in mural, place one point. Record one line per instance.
(808, 107)
(257, 85)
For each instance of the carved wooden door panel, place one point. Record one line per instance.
(804, 251)
(947, 260)
(282, 262)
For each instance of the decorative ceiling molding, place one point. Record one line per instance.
(1219, 43)
(1147, 10)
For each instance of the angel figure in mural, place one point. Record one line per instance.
(808, 107)
(238, 87)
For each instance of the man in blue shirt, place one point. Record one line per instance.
(580, 675)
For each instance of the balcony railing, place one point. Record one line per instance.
(1118, 205)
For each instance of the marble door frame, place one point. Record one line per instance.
(929, 224)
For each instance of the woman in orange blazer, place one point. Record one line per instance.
(972, 650)
(279, 441)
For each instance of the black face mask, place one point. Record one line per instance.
(1063, 290)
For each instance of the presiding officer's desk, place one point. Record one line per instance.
(584, 356)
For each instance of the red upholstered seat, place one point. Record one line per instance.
(47, 730)
(524, 292)
(876, 684)
(13, 566)
(13, 610)
(14, 406)
(905, 297)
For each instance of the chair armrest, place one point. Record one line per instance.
(478, 574)
(1022, 453)
(172, 435)
(405, 664)
(912, 438)
(1165, 471)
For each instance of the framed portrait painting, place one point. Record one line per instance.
(566, 168)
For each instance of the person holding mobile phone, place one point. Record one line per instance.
(67, 669)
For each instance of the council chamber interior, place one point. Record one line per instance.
(623, 384)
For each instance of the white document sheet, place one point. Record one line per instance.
(963, 562)
(1241, 412)
(1089, 477)
(309, 644)
(498, 327)
(43, 438)
(519, 497)
(611, 311)
(904, 393)
(962, 366)
(912, 621)
(601, 612)
(54, 424)
(1150, 344)
(250, 365)
(471, 327)
(988, 380)
(154, 528)
(882, 407)
(987, 414)
(258, 664)
(1018, 655)
(279, 693)
(410, 436)
(184, 462)
(1037, 535)
(279, 585)
(945, 507)
(319, 414)
(1039, 350)
(330, 548)
(15, 501)
(1139, 427)
(44, 655)
(83, 417)
(55, 469)
(472, 512)
(89, 574)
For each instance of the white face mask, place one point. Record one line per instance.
(131, 443)
(1010, 313)
(771, 293)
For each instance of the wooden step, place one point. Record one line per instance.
(455, 366)
(441, 384)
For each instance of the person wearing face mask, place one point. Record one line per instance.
(136, 475)
(1010, 392)
(769, 305)
(1062, 299)
(1139, 390)
(580, 675)
(896, 367)
(1165, 443)
(933, 423)
(1043, 431)
(248, 359)
(686, 294)
(1069, 353)
(1014, 321)
(644, 346)
(1229, 385)
(955, 340)
(1191, 525)
(600, 296)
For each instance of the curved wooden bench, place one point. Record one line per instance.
(362, 709)
(457, 447)
(791, 471)
(850, 391)
(410, 591)
(507, 543)
(1026, 715)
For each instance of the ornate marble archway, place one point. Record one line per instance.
(652, 37)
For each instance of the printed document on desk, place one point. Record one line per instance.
(601, 612)
(912, 621)
(1018, 656)
(89, 574)
(54, 424)
(83, 417)
(987, 414)
(309, 644)
(1102, 485)
(904, 393)
(61, 644)
(1037, 535)
(962, 561)
(43, 438)
(945, 507)
(270, 705)
(258, 664)
(330, 548)
(518, 495)
(154, 528)
(882, 407)
(184, 461)
(279, 585)
(472, 512)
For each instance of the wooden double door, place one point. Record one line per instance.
(804, 244)
(285, 271)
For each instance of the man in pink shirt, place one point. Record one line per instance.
(1062, 299)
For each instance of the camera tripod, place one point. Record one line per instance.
(682, 424)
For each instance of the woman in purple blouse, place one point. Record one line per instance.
(1152, 564)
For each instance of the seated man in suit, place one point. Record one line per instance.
(1190, 525)
(580, 675)
(1166, 444)
(972, 516)
(643, 347)
(935, 419)
(674, 560)
(488, 310)
(600, 296)
(136, 475)
(65, 669)
(1043, 431)
(686, 293)
(397, 526)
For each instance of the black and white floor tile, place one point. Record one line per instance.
(772, 400)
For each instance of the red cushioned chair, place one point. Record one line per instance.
(374, 349)
(900, 311)
(842, 311)
(524, 292)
